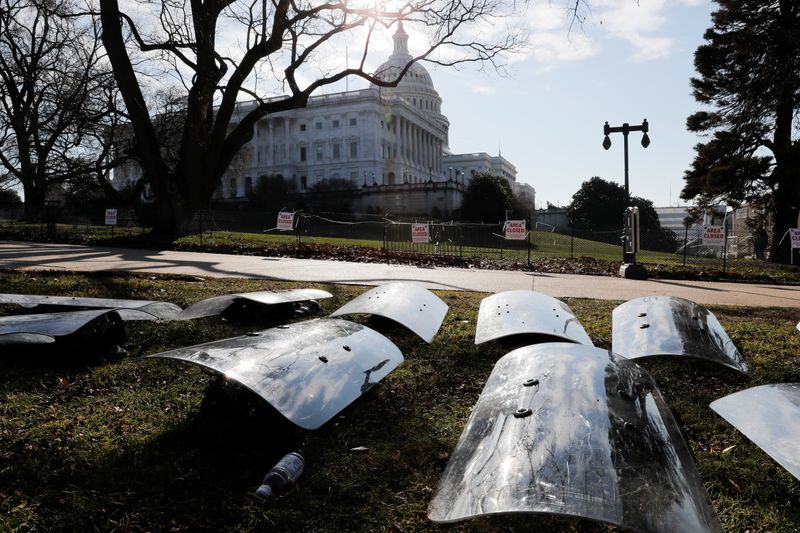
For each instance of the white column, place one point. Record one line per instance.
(430, 153)
(414, 145)
(270, 162)
(405, 140)
(439, 155)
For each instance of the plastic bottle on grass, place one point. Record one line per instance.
(281, 477)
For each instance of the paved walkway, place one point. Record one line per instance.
(36, 256)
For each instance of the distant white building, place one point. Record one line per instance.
(378, 138)
(463, 167)
(672, 218)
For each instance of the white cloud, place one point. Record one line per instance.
(546, 17)
(482, 89)
(641, 24)
(638, 23)
(558, 46)
(551, 41)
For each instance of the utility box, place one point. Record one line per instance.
(632, 239)
(631, 245)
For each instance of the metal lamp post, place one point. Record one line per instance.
(625, 129)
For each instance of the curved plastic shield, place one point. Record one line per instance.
(528, 313)
(568, 429)
(415, 307)
(48, 328)
(308, 371)
(25, 339)
(218, 304)
(128, 309)
(665, 325)
(768, 415)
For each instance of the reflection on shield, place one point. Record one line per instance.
(127, 309)
(414, 307)
(569, 429)
(528, 313)
(768, 415)
(665, 325)
(69, 327)
(219, 304)
(308, 371)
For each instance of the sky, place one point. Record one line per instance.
(627, 62)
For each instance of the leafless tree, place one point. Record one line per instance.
(54, 95)
(293, 44)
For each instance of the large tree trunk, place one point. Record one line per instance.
(787, 208)
(171, 210)
(34, 201)
(179, 198)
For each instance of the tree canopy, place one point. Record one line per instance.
(285, 51)
(56, 97)
(749, 85)
(598, 208)
(600, 204)
(9, 199)
(487, 199)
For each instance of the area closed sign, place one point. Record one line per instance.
(420, 233)
(111, 217)
(515, 230)
(794, 235)
(285, 221)
(713, 236)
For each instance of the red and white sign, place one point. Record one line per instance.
(515, 230)
(713, 236)
(420, 233)
(285, 221)
(111, 217)
(794, 235)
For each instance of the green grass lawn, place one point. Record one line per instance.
(545, 247)
(132, 444)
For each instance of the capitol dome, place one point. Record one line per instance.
(416, 86)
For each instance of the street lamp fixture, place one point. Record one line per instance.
(625, 129)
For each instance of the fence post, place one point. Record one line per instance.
(725, 250)
(385, 236)
(529, 249)
(460, 241)
(685, 242)
(572, 241)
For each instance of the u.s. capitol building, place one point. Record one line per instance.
(390, 143)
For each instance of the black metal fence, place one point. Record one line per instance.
(444, 238)
(458, 239)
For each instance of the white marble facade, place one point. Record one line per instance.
(373, 136)
(378, 136)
